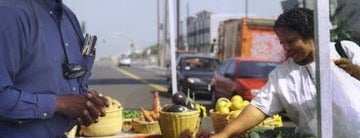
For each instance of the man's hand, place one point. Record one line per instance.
(349, 67)
(99, 101)
(73, 106)
(84, 108)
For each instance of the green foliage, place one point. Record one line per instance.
(135, 56)
(154, 49)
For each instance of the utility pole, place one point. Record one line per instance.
(186, 44)
(166, 50)
(246, 8)
(158, 32)
(178, 24)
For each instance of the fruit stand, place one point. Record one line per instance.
(171, 120)
(182, 117)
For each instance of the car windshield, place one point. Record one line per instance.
(251, 69)
(127, 59)
(199, 64)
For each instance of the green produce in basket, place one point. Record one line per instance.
(129, 114)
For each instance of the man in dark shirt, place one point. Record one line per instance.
(38, 39)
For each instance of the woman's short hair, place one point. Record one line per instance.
(300, 20)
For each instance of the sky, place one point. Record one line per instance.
(117, 23)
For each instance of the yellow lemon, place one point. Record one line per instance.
(234, 114)
(236, 98)
(224, 110)
(236, 105)
(228, 105)
(220, 104)
(245, 103)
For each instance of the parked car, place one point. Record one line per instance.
(240, 76)
(124, 61)
(194, 73)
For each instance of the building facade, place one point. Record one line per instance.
(202, 31)
(289, 4)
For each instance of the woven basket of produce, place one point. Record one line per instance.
(148, 122)
(227, 110)
(110, 124)
(146, 127)
(178, 124)
(219, 120)
(129, 117)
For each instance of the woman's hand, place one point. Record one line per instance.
(349, 67)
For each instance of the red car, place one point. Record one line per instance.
(240, 76)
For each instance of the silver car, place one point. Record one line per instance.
(124, 61)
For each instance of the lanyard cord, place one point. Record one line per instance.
(308, 71)
(57, 17)
(58, 23)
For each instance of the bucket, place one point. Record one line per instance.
(178, 124)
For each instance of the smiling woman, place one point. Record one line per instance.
(292, 85)
(302, 51)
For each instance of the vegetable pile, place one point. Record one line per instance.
(153, 115)
(182, 103)
(130, 114)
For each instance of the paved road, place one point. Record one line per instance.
(133, 86)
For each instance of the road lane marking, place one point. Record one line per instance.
(133, 76)
(158, 87)
(127, 73)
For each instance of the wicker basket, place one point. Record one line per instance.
(219, 120)
(178, 124)
(109, 125)
(146, 127)
(128, 125)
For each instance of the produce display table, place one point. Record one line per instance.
(130, 135)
